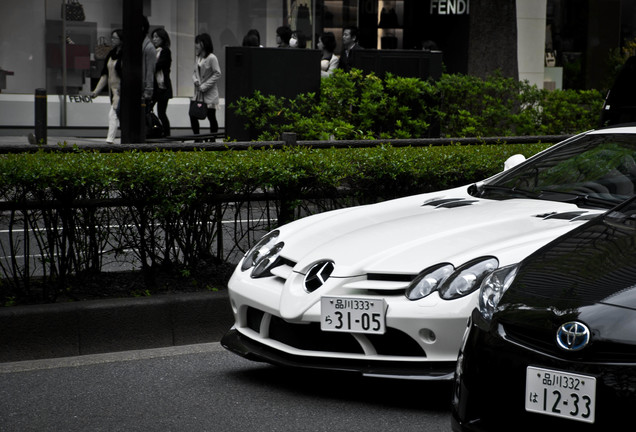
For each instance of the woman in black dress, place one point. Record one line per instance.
(163, 85)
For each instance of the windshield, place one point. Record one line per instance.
(591, 171)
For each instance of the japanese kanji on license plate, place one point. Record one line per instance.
(353, 315)
(560, 394)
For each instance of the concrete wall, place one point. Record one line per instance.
(531, 22)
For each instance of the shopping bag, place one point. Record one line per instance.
(198, 109)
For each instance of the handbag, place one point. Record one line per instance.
(154, 128)
(102, 49)
(198, 109)
(74, 10)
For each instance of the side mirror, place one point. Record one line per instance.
(513, 161)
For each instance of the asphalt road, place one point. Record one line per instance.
(205, 388)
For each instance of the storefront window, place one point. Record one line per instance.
(71, 44)
(34, 39)
(21, 51)
(228, 22)
(299, 16)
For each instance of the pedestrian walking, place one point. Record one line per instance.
(206, 75)
(163, 84)
(111, 76)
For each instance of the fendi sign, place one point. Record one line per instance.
(450, 7)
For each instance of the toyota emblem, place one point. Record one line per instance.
(573, 336)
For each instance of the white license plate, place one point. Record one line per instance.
(560, 394)
(353, 315)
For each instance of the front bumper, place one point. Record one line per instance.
(250, 349)
(278, 321)
(489, 390)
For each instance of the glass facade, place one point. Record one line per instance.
(38, 49)
(87, 40)
(34, 38)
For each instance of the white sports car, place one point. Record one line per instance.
(386, 289)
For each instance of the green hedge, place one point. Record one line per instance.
(175, 179)
(358, 106)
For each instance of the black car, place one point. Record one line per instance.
(552, 345)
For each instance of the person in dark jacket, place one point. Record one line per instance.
(162, 92)
(283, 36)
(349, 44)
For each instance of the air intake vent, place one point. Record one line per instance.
(579, 215)
(449, 202)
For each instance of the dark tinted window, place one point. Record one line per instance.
(601, 166)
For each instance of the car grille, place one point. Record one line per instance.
(310, 337)
(544, 341)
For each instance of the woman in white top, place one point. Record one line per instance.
(111, 75)
(206, 75)
(329, 62)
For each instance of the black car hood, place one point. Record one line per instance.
(593, 264)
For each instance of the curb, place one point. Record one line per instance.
(102, 326)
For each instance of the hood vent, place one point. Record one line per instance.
(449, 202)
(572, 215)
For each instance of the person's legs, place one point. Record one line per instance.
(162, 107)
(113, 123)
(194, 123)
(214, 125)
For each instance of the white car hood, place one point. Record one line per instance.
(405, 236)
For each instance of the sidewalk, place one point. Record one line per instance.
(19, 136)
(102, 326)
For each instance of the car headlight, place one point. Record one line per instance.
(467, 278)
(428, 281)
(263, 255)
(493, 288)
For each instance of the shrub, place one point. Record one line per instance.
(357, 106)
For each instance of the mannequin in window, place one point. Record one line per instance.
(300, 18)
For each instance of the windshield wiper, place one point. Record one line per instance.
(481, 189)
(545, 194)
(579, 199)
